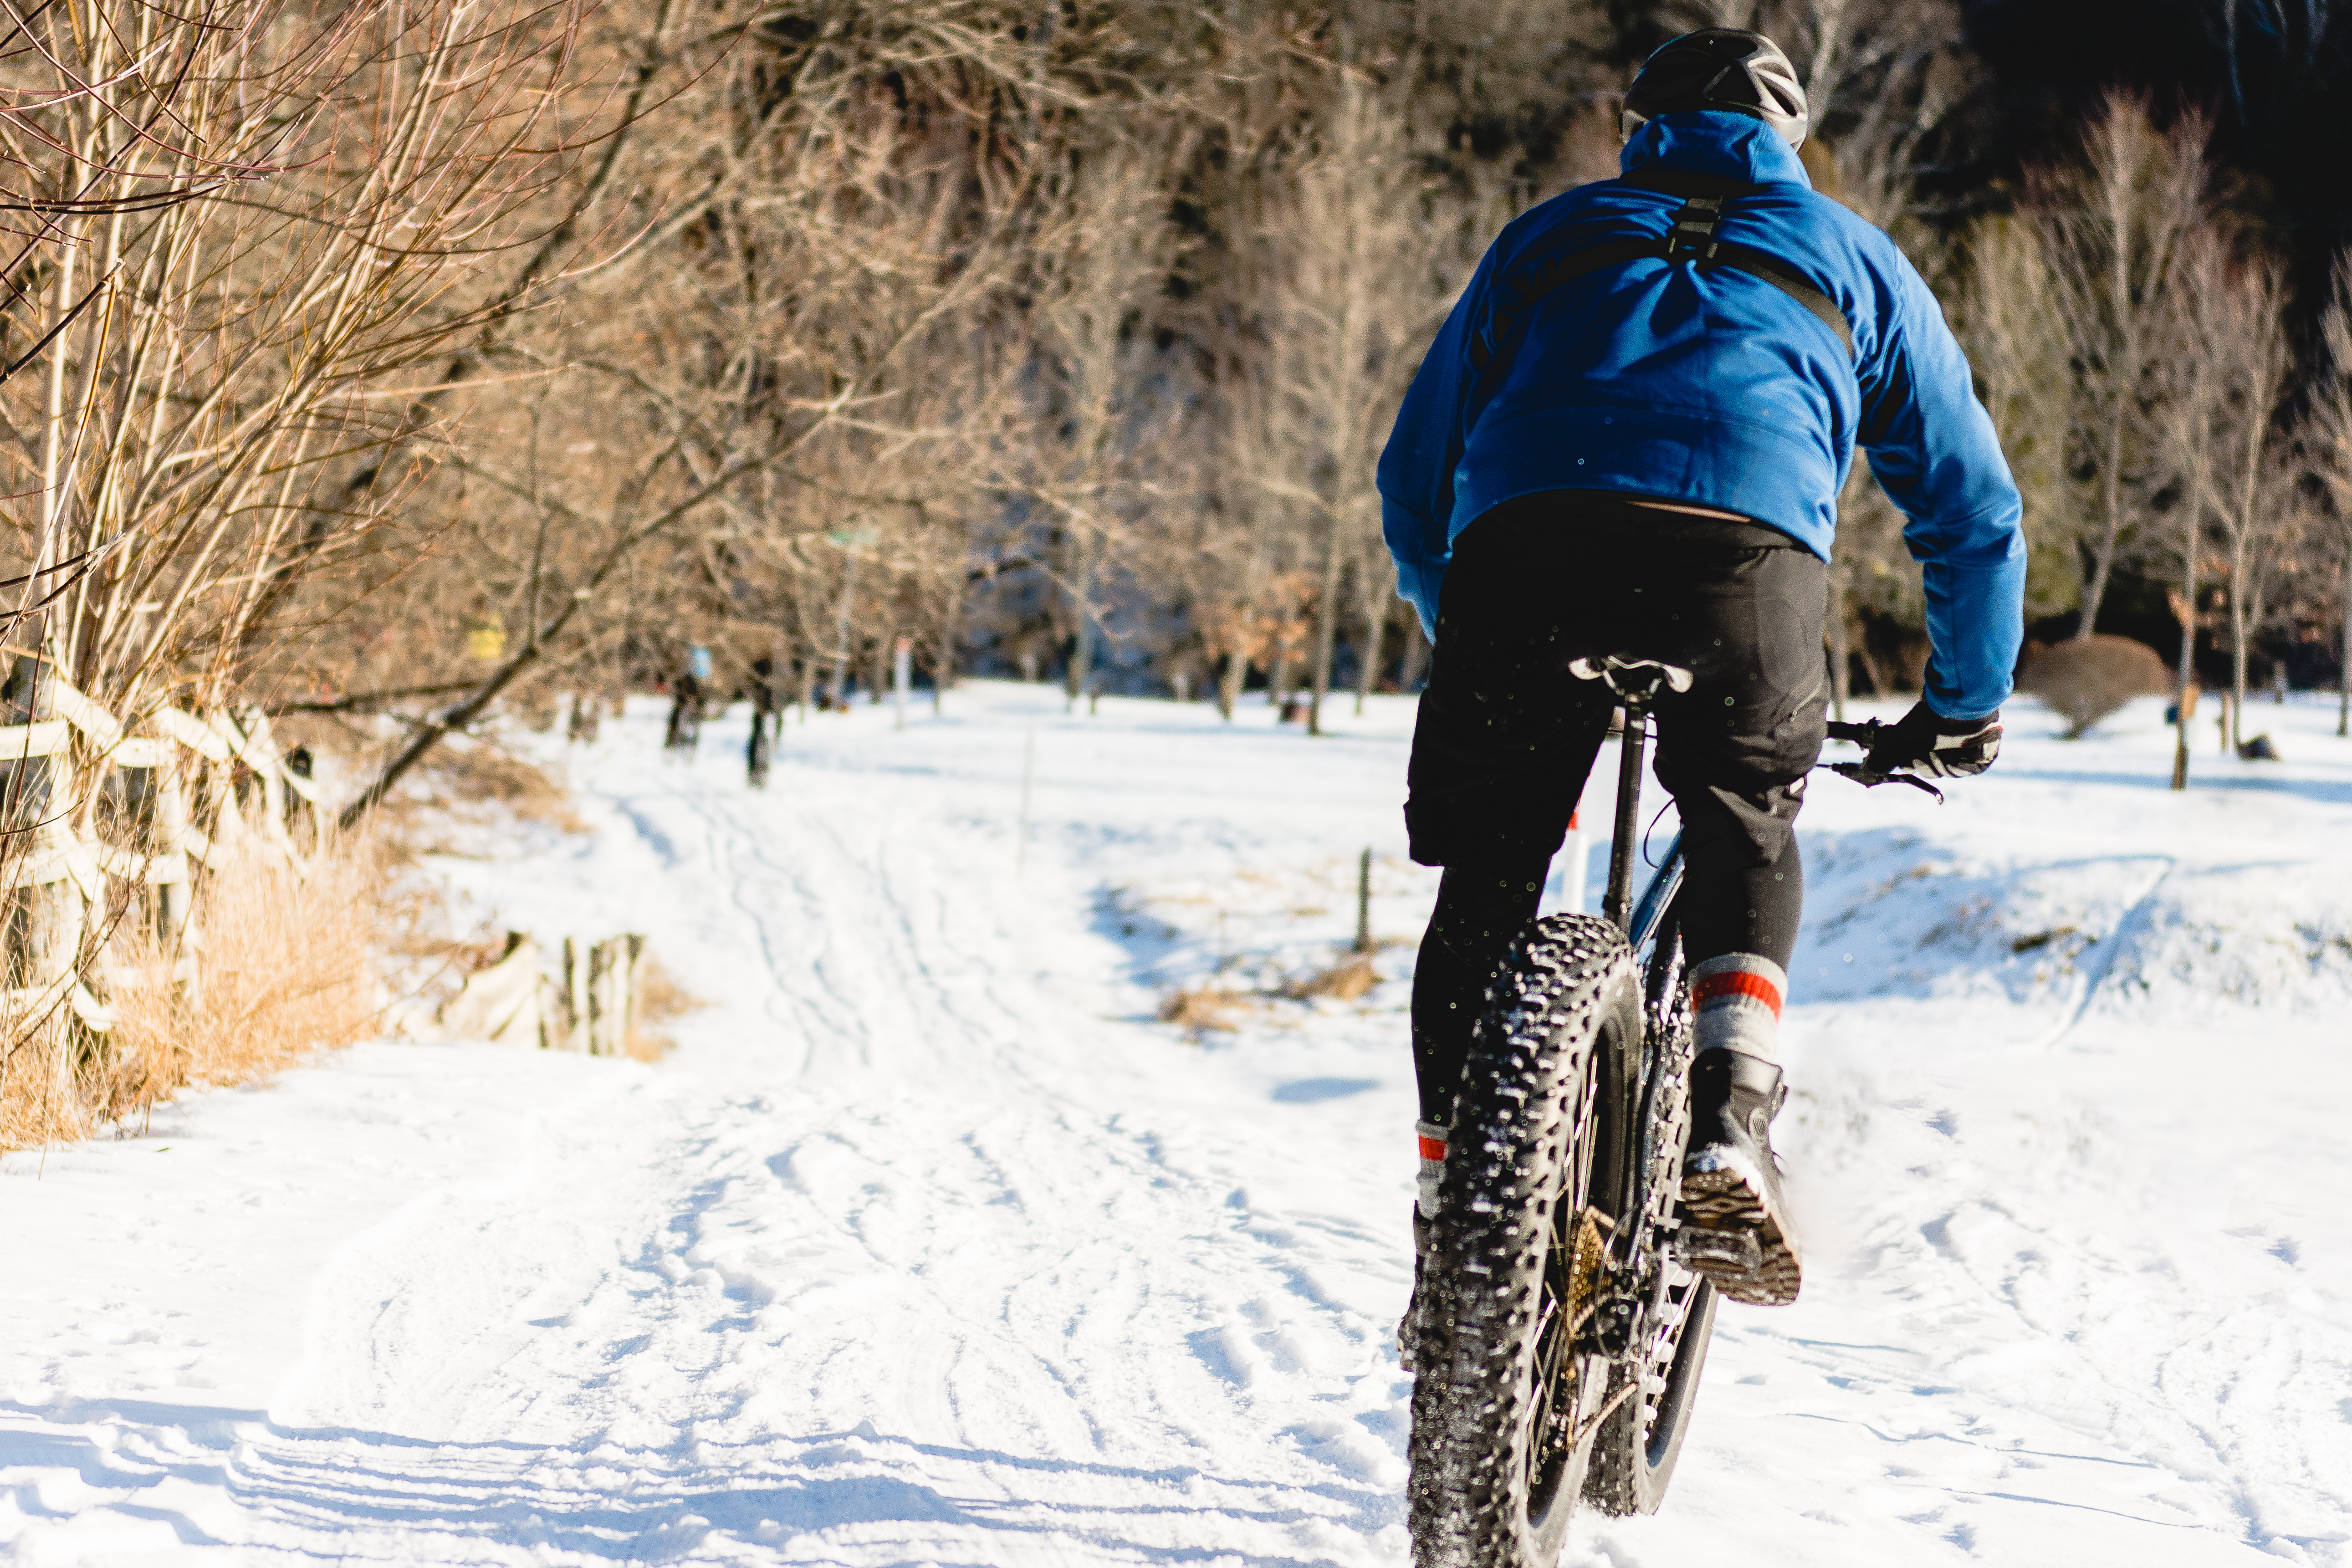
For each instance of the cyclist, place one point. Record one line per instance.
(1629, 437)
(760, 750)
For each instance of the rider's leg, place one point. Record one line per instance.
(1745, 879)
(1480, 907)
(1743, 898)
(1500, 749)
(1502, 740)
(1735, 751)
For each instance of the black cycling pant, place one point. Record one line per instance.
(1505, 735)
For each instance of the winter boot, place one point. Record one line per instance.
(1432, 1176)
(1736, 1227)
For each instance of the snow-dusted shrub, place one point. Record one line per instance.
(2090, 678)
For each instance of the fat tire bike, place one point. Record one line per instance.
(1558, 1338)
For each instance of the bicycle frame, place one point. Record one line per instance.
(1636, 683)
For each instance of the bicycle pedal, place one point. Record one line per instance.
(1696, 1247)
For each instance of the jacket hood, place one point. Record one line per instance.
(1717, 144)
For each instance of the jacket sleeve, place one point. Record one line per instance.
(1416, 468)
(1932, 446)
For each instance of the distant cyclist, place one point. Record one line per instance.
(759, 752)
(685, 732)
(1630, 437)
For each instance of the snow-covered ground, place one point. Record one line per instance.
(931, 1244)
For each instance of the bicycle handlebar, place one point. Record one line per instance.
(1866, 734)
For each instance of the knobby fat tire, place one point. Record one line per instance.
(1529, 1149)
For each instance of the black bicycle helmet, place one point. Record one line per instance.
(1725, 69)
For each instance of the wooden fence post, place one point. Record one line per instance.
(575, 996)
(171, 832)
(1364, 902)
(613, 993)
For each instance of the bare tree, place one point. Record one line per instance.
(2190, 396)
(2114, 225)
(256, 233)
(2238, 308)
(2330, 435)
(809, 260)
(2012, 321)
(1102, 266)
(1359, 292)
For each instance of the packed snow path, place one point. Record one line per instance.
(932, 1245)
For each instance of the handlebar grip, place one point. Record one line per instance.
(1862, 734)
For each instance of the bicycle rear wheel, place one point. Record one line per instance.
(1509, 1391)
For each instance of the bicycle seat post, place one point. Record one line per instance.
(1617, 906)
(1636, 682)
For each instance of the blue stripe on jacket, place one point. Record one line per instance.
(1716, 387)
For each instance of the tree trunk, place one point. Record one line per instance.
(1082, 658)
(1229, 685)
(2185, 674)
(1881, 684)
(1084, 633)
(2095, 591)
(841, 626)
(2238, 655)
(1327, 628)
(1375, 624)
(2344, 677)
(1416, 655)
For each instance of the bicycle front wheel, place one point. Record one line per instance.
(1657, 1380)
(1509, 1389)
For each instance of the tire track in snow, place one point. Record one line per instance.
(903, 1256)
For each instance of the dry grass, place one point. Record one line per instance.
(1205, 1007)
(1214, 1005)
(1211, 1006)
(477, 772)
(39, 1098)
(282, 966)
(660, 998)
(1343, 982)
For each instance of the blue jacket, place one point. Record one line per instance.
(1718, 387)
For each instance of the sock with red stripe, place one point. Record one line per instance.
(1432, 1139)
(1736, 1004)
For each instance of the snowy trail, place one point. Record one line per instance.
(931, 1246)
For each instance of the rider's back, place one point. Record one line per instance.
(1710, 381)
(1706, 385)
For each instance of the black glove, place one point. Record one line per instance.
(1923, 740)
